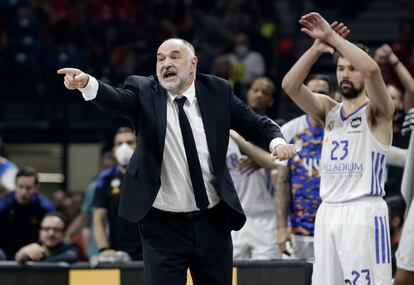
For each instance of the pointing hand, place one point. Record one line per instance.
(74, 78)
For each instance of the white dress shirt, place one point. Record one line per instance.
(176, 192)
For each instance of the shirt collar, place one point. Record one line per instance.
(189, 94)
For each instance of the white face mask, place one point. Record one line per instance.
(241, 50)
(123, 154)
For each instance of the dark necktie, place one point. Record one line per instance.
(192, 157)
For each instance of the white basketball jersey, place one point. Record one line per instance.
(353, 161)
(254, 189)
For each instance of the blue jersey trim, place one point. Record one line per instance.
(6, 201)
(105, 173)
(346, 117)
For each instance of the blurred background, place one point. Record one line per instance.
(52, 129)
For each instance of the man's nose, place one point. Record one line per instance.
(167, 63)
(345, 73)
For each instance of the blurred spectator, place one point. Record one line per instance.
(21, 212)
(57, 199)
(8, 172)
(209, 38)
(385, 56)
(123, 235)
(403, 47)
(246, 64)
(85, 219)
(250, 170)
(70, 208)
(50, 247)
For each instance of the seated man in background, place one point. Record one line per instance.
(51, 246)
(21, 212)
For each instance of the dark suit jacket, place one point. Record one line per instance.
(144, 101)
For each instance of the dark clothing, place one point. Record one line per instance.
(145, 102)
(123, 235)
(200, 242)
(173, 243)
(63, 252)
(19, 224)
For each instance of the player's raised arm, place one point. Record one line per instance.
(380, 102)
(314, 104)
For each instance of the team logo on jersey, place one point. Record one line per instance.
(356, 122)
(330, 125)
(115, 183)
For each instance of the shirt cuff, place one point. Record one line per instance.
(90, 91)
(275, 142)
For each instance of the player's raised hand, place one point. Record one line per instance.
(340, 29)
(74, 78)
(315, 26)
(383, 54)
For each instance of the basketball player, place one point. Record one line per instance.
(297, 181)
(351, 232)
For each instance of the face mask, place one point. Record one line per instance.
(123, 154)
(241, 49)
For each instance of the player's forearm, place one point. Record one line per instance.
(363, 62)
(282, 197)
(261, 157)
(294, 79)
(100, 233)
(407, 81)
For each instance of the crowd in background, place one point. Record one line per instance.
(112, 39)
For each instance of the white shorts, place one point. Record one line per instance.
(405, 252)
(257, 239)
(303, 247)
(352, 243)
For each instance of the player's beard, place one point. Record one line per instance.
(350, 92)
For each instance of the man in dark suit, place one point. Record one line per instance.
(177, 186)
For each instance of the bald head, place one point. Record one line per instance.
(178, 42)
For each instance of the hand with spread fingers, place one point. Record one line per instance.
(340, 29)
(315, 26)
(284, 151)
(74, 78)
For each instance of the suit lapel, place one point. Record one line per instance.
(206, 104)
(160, 110)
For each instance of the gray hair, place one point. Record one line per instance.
(186, 43)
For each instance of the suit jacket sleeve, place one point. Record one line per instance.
(258, 129)
(124, 100)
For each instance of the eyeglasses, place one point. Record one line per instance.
(55, 229)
